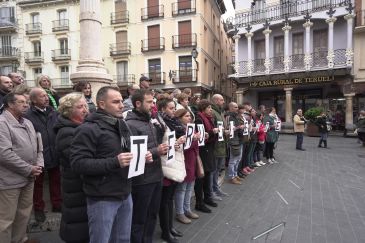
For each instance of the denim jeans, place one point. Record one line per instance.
(324, 136)
(220, 164)
(183, 197)
(299, 144)
(110, 221)
(233, 163)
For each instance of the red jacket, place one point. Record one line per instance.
(261, 134)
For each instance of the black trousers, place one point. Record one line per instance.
(270, 150)
(167, 208)
(202, 188)
(146, 205)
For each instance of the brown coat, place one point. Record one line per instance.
(20, 148)
(298, 124)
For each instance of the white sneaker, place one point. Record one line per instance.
(258, 164)
(274, 161)
(262, 163)
(270, 161)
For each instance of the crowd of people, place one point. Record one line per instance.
(85, 149)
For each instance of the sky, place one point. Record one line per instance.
(230, 9)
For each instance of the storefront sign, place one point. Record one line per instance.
(294, 81)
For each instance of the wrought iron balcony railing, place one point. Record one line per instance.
(258, 65)
(319, 59)
(9, 52)
(297, 61)
(157, 77)
(119, 17)
(33, 57)
(33, 28)
(124, 80)
(153, 44)
(185, 75)
(287, 9)
(60, 25)
(61, 55)
(120, 48)
(62, 83)
(277, 63)
(186, 40)
(152, 12)
(183, 7)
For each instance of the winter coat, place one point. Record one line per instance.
(20, 148)
(220, 147)
(321, 122)
(90, 104)
(43, 122)
(207, 151)
(299, 124)
(191, 155)
(128, 105)
(361, 124)
(93, 154)
(2, 95)
(141, 124)
(271, 135)
(235, 142)
(261, 134)
(74, 221)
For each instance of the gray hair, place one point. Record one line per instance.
(68, 102)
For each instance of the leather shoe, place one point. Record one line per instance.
(176, 233)
(202, 208)
(210, 203)
(169, 238)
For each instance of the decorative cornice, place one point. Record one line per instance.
(236, 37)
(331, 20)
(308, 24)
(349, 16)
(249, 35)
(266, 31)
(286, 28)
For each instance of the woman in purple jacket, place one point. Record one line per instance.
(184, 189)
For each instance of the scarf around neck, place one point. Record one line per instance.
(173, 124)
(207, 121)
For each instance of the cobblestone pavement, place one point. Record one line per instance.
(315, 196)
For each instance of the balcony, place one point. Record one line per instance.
(287, 9)
(153, 44)
(9, 53)
(8, 23)
(185, 76)
(33, 57)
(181, 41)
(183, 7)
(33, 29)
(157, 77)
(61, 55)
(297, 63)
(121, 17)
(120, 49)
(152, 12)
(124, 80)
(60, 25)
(62, 83)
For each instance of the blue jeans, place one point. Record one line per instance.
(110, 221)
(324, 136)
(183, 197)
(220, 164)
(233, 163)
(299, 144)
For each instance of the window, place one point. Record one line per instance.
(260, 49)
(35, 18)
(122, 71)
(36, 72)
(64, 70)
(7, 16)
(63, 46)
(185, 68)
(279, 46)
(154, 69)
(154, 37)
(298, 43)
(6, 47)
(37, 48)
(320, 40)
(62, 14)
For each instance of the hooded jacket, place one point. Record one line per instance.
(93, 154)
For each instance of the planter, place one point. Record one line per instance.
(312, 130)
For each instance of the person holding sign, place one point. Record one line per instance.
(174, 171)
(100, 152)
(204, 185)
(184, 189)
(271, 135)
(146, 189)
(261, 136)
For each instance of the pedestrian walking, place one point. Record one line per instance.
(321, 122)
(271, 135)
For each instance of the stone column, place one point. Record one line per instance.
(288, 104)
(349, 50)
(236, 60)
(91, 67)
(267, 32)
(307, 57)
(286, 30)
(330, 56)
(239, 96)
(349, 120)
(249, 36)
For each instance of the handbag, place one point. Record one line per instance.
(199, 169)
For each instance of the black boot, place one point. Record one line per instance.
(320, 143)
(173, 231)
(325, 143)
(165, 224)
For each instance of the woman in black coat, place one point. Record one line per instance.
(321, 122)
(74, 221)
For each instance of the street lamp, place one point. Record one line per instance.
(194, 54)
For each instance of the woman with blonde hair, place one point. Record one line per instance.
(74, 228)
(45, 82)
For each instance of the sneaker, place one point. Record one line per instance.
(183, 219)
(269, 161)
(221, 193)
(262, 163)
(215, 197)
(239, 178)
(250, 169)
(257, 164)
(39, 216)
(245, 171)
(234, 181)
(274, 161)
(191, 215)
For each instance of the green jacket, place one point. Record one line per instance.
(220, 147)
(271, 135)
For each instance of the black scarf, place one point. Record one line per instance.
(174, 124)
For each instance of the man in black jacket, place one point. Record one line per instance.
(6, 85)
(43, 117)
(146, 192)
(100, 152)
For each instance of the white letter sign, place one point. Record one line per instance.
(171, 139)
(245, 129)
(231, 129)
(267, 126)
(220, 131)
(189, 135)
(139, 151)
(278, 126)
(201, 130)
